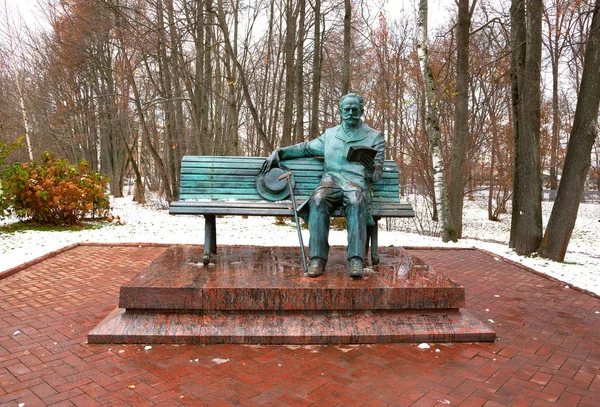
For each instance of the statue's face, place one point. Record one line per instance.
(351, 111)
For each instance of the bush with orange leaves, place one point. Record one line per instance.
(53, 191)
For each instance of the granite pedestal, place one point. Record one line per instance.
(260, 295)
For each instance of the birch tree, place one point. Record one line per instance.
(12, 56)
(432, 124)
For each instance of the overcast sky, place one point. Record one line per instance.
(439, 10)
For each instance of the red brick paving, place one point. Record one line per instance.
(547, 353)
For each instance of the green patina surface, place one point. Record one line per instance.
(212, 186)
(234, 178)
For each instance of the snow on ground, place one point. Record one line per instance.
(144, 224)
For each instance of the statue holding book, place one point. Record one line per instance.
(353, 155)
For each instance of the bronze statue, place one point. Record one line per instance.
(344, 183)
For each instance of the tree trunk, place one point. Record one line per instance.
(232, 127)
(316, 77)
(229, 49)
(290, 75)
(23, 109)
(299, 132)
(139, 194)
(555, 126)
(493, 147)
(178, 144)
(448, 231)
(347, 46)
(197, 91)
(578, 160)
(145, 129)
(168, 105)
(526, 226)
(265, 102)
(461, 116)
(518, 47)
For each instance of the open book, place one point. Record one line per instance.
(355, 153)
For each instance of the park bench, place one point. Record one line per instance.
(212, 186)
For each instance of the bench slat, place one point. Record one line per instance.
(262, 204)
(229, 196)
(377, 213)
(250, 165)
(387, 179)
(269, 209)
(212, 173)
(311, 185)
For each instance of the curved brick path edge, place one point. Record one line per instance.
(547, 353)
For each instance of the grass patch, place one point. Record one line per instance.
(27, 225)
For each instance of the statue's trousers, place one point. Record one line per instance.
(323, 201)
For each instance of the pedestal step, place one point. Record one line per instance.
(299, 328)
(260, 295)
(271, 278)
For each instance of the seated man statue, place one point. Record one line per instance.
(343, 184)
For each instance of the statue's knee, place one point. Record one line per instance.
(318, 199)
(356, 199)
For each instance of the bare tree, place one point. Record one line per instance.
(433, 129)
(526, 28)
(347, 46)
(559, 20)
(14, 39)
(291, 16)
(578, 160)
(316, 76)
(461, 114)
(299, 130)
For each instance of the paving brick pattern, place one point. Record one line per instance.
(548, 351)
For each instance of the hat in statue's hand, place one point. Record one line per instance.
(270, 187)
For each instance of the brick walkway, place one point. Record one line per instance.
(548, 351)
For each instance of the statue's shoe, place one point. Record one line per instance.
(317, 267)
(356, 267)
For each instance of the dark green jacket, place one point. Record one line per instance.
(333, 145)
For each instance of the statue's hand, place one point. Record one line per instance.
(270, 162)
(373, 171)
(377, 173)
(368, 162)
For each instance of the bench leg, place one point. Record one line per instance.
(374, 243)
(213, 239)
(368, 242)
(209, 238)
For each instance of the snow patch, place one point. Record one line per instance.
(147, 224)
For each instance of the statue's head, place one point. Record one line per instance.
(351, 109)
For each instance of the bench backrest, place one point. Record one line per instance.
(234, 178)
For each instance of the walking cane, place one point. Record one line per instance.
(288, 175)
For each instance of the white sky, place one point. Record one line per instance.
(439, 10)
(28, 10)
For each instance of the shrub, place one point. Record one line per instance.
(7, 149)
(53, 192)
